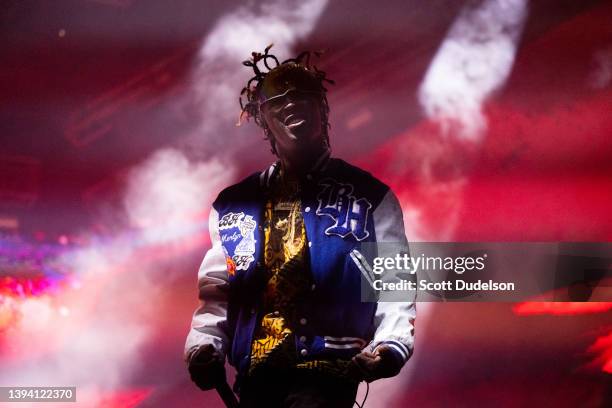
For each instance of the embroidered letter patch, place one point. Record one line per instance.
(350, 214)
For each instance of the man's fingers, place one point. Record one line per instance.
(367, 354)
(206, 355)
(382, 350)
(362, 360)
(204, 352)
(207, 376)
(361, 364)
(380, 364)
(205, 363)
(384, 354)
(366, 362)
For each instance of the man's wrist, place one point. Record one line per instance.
(207, 351)
(398, 350)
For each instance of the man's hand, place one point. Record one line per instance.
(206, 367)
(383, 363)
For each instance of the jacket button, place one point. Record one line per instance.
(304, 352)
(303, 321)
(303, 339)
(307, 209)
(313, 287)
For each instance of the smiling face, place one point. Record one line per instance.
(292, 110)
(294, 119)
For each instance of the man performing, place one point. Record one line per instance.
(280, 288)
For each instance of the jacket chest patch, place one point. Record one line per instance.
(349, 213)
(237, 231)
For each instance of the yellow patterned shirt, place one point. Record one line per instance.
(289, 280)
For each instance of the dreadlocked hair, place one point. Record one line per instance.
(250, 106)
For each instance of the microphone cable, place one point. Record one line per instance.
(365, 397)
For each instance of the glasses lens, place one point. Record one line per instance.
(277, 102)
(278, 82)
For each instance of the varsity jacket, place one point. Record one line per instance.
(343, 208)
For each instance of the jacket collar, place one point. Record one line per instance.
(272, 173)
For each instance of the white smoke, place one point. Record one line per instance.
(474, 60)
(251, 28)
(91, 335)
(219, 75)
(167, 192)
